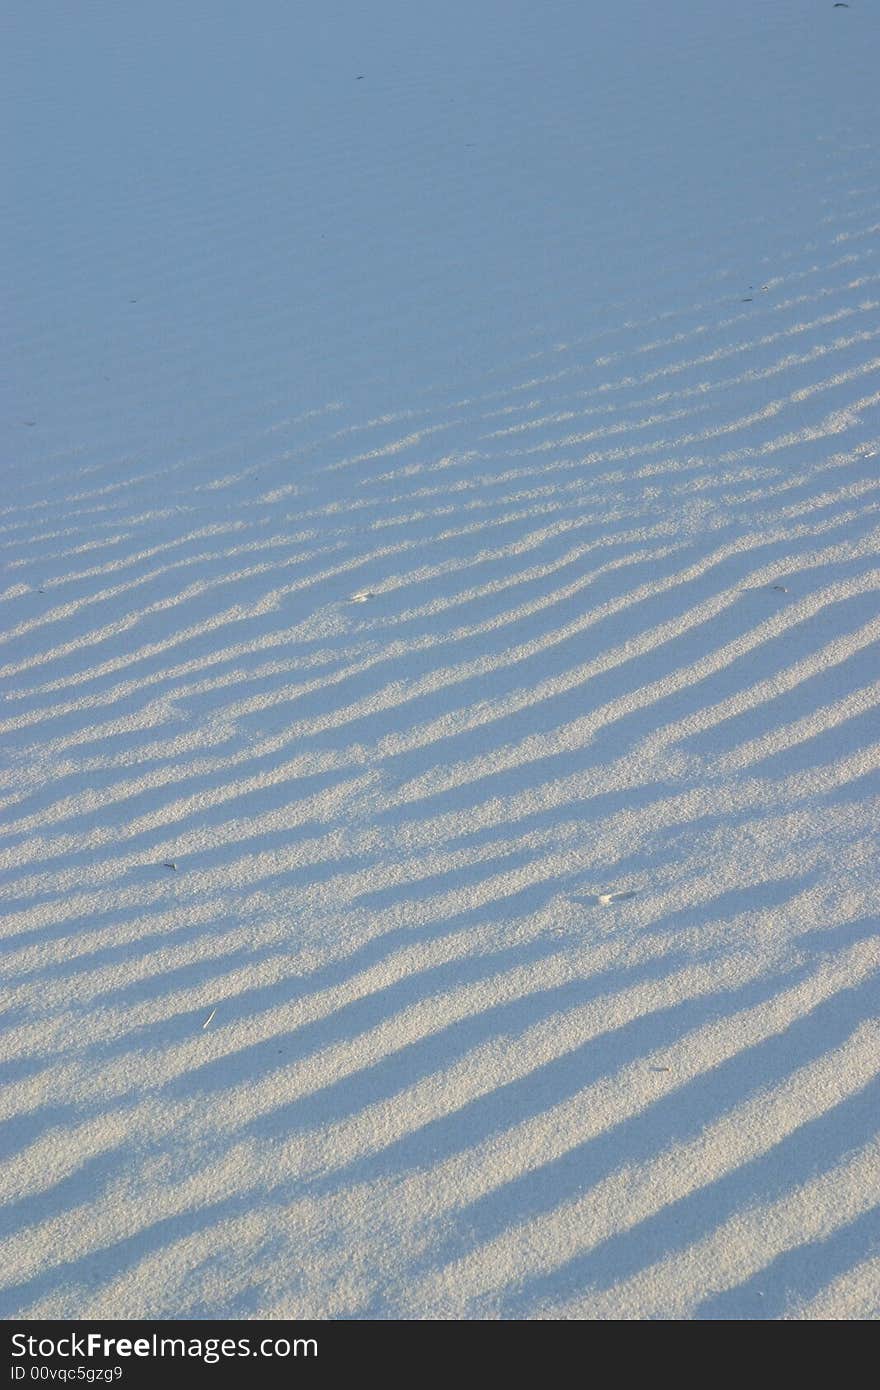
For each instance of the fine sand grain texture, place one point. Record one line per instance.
(438, 680)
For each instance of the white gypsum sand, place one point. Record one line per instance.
(439, 661)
